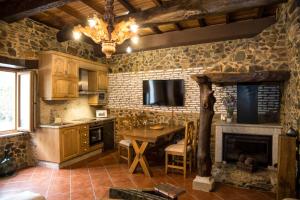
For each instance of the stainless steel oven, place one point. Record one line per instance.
(95, 133)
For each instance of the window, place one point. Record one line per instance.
(8, 101)
(16, 104)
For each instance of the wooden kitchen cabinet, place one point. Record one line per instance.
(102, 80)
(70, 143)
(84, 139)
(57, 145)
(58, 76)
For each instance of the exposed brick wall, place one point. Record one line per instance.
(126, 92)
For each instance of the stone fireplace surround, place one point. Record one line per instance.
(249, 129)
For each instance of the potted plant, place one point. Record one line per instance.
(229, 102)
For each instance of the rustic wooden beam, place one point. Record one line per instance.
(178, 26)
(221, 32)
(180, 10)
(207, 101)
(14, 10)
(227, 18)
(72, 12)
(156, 30)
(260, 12)
(157, 2)
(94, 5)
(202, 22)
(67, 34)
(128, 6)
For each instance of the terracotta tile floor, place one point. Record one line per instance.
(91, 180)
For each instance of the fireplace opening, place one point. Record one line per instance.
(258, 147)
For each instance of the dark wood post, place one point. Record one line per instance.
(207, 101)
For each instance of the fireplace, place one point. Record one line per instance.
(258, 147)
(241, 138)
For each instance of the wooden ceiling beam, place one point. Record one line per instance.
(178, 26)
(157, 2)
(94, 5)
(221, 32)
(227, 18)
(156, 30)
(179, 10)
(202, 22)
(260, 12)
(128, 6)
(13, 10)
(72, 12)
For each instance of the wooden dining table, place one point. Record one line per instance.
(141, 137)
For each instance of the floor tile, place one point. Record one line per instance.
(91, 179)
(86, 194)
(101, 193)
(59, 188)
(65, 196)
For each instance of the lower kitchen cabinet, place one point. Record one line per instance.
(69, 142)
(61, 144)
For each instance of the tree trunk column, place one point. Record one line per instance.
(203, 180)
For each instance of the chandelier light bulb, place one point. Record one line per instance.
(135, 39)
(91, 22)
(128, 49)
(76, 35)
(134, 28)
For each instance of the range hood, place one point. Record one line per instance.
(83, 84)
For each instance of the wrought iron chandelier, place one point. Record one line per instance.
(105, 32)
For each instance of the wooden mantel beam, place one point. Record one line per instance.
(244, 77)
(14, 10)
(179, 10)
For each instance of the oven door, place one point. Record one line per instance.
(96, 135)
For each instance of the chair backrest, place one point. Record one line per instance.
(188, 136)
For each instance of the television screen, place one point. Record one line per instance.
(163, 92)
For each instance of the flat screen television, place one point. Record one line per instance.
(163, 92)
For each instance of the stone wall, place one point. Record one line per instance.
(266, 51)
(26, 38)
(290, 14)
(19, 147)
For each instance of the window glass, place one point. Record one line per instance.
(7, 101)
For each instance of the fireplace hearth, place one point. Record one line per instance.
(257, 147)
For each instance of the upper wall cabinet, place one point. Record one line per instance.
(102, 80)
(63, 66)
(59, 74)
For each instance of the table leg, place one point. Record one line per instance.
(140, 158)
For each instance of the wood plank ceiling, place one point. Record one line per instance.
(155, 16)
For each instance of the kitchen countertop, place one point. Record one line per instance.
(76, 123)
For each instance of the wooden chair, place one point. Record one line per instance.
(183, 151)
(125, 148)
(194, 144)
